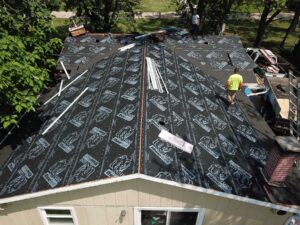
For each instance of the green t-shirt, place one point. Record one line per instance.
(234, 82)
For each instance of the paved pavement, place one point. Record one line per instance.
(256, 16)
(62, 14)
(155, 15)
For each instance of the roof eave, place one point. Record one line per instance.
(291, 209)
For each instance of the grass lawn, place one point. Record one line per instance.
(58, 22)
(62, 26)
(170, 5)
(248, 8)
(157, 6)
(245, 29)
(274, 34)
(148, 25)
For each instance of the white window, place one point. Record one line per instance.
(58, 215)
(168, 216)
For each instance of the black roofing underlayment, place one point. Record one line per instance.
(99, 136)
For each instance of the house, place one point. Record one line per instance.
(94, 155)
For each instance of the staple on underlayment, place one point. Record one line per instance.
(126, 47)
(176, 141)
(63, 66)
(60, 87)
(69, 106)
(65, 87)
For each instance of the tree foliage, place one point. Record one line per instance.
(27, 49)
(272, 8)
(53, 5)
(212, 13)
(293, 6)
(101, 15)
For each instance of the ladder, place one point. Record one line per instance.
(294, 105)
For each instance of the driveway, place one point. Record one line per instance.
(156, 15)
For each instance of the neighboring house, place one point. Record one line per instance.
(102, 161)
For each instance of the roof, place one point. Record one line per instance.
(112, 130)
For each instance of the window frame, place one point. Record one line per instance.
(138, 213)
(45, 216)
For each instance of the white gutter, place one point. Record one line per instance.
(148, 178)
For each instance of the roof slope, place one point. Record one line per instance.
(112, 130)
(225, 144)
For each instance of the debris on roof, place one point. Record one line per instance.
(113, 128)
(77, 30)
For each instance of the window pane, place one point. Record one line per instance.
(61, 221)
(58, 211)
(183, 218)
(154, 217)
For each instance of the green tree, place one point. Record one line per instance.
(293, 6)
(27, 55)
(53, 5)
(271, 9)
(102, 15)
(212, 13)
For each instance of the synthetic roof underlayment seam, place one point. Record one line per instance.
(147, 178)
(144, 71)
(62, 162)
(88, 122)
(231, 129)
(75, 156)
(187, 88)
(30, 143)
(115, 156)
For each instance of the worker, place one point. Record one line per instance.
(195, 23)
(233, 84)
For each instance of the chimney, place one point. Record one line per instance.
(281, 159)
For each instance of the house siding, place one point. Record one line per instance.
(102, 205)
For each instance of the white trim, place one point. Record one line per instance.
(68, 188)
(153, 179)
(136, 216)
(173, 209)
(44, 216)
(222, 194)
(65, 87)
(137, 213)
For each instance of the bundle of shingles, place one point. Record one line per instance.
(155, 79)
